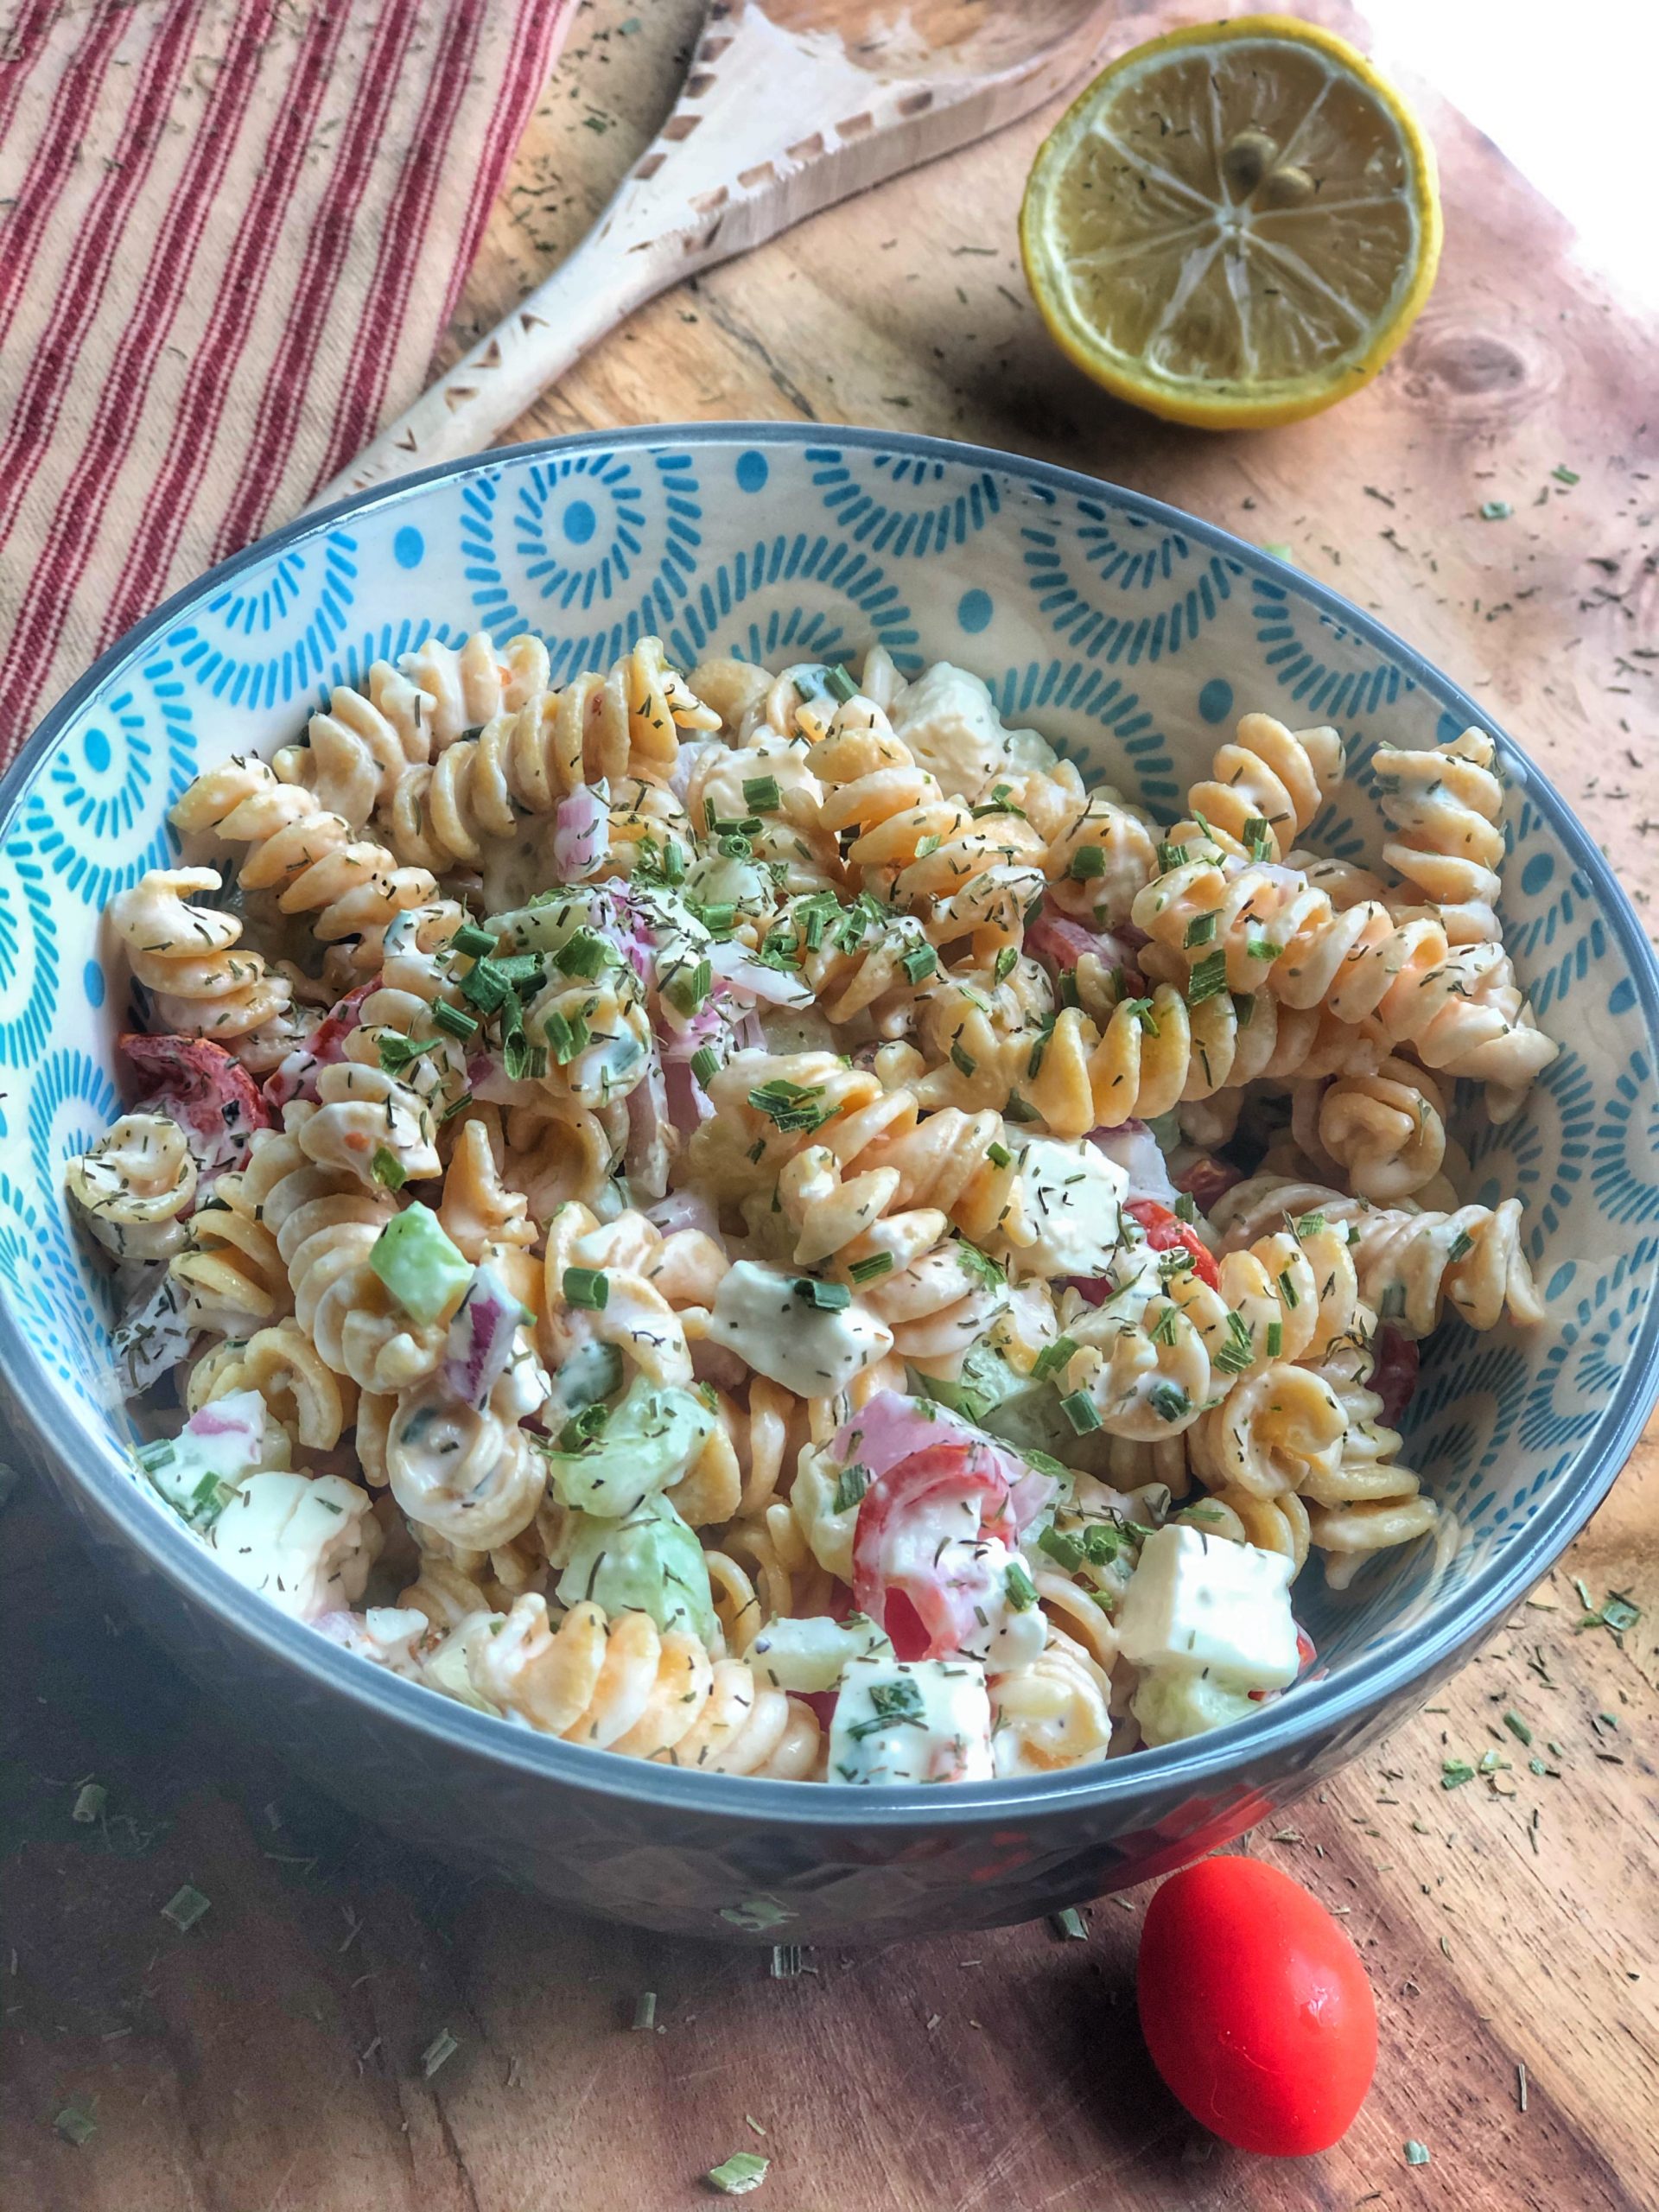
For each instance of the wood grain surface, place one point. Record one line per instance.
(270, 2059)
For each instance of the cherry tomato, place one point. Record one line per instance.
(197, 1084)
(1394, 1378)
(1205, 1178)
(1165, 1233)
(914, 1568)
(1255, 2007)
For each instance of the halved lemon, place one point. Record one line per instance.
(1235, 225)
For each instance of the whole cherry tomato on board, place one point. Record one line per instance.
(1255, 2007)
(1166, 1233)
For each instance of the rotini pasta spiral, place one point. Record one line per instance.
(1444, 807)
(311, 859)
(302, 1394)
(135, 1188)
(1276, 1430)
(624, 1685)
(1385, 1131)
(189, 957)
(1408, 1261)
(469, 1473)
(1369, 1502)
(962, 877)
(233, 1275)
(1053, 1711)
(1270, 775)
(325, 1223)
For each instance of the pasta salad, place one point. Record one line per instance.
(751, 1220)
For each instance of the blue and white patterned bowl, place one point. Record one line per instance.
(1131, 634)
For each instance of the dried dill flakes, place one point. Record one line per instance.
(1416, 2154)
(1563, 474)
(644, 2012)
(185, 1908)
(1495, 510)
(1069, 1925)
(441, 2048)
(75, 2126)
(90, 1803)
(738, 2175)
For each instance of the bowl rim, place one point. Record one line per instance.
(1319, 1710)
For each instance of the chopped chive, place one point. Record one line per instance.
(387, 1169)
(644, 2010)
(1258, 838)
(1310, 1224)
(840, 685)
(921, 963)
(1200, 929)
(873, 1264)
(455, 1018)
(850, 1486)
(442, 2048)
(1168, 1400)
(477, 944)
(828, 1297)
(1018, 1587)
(1086, 863)
(1069, 1925)
(1462, 1242)
(1052, 1358)
(686, 991)
(75, 2126)
(963, 1062)
(583, 954)
(1209, 977)
(1275, 1338)
(999, 1155)
(588, 1288)
(485, 986)
(1002, 968)
(1017, 1110)
(396, 1051)
(185, 1907)
(761, 794)
(704, 1065)
(1081, 1411)
(89, 1805)
(1068, 1550)
(738, 2175)
(1172, 856)
(1186, 1206)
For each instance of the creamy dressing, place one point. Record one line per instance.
(1067, 1218)
(811, 1350)
(949, 719)
(305, 1543)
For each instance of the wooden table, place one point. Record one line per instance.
(270, 2060)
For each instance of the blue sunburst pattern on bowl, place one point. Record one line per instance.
(1130, 636)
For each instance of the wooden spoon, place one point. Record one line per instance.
(785, 110)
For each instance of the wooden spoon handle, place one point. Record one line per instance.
(591, 291)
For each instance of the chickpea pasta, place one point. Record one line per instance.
(670, 1198)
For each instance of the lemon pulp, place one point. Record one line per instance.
(1234, 224)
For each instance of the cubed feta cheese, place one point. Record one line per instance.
(305, 1543)
(1067, 1214)
(1199, 1603)
(813, 1350)
(911, 1720)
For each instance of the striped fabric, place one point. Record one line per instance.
(231, 233)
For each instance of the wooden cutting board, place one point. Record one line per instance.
(271, 2059)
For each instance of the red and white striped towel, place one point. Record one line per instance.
(231, 233)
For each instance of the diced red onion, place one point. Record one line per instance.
(581, 835)
(1059, 943)
(1133, 1147)
(688, 1104)
(479, 1342)
(684, 1210)
(646, 1159)
(753, 979)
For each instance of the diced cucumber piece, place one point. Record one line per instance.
(646, 1443)
(424, 1271)
(648, 1563)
